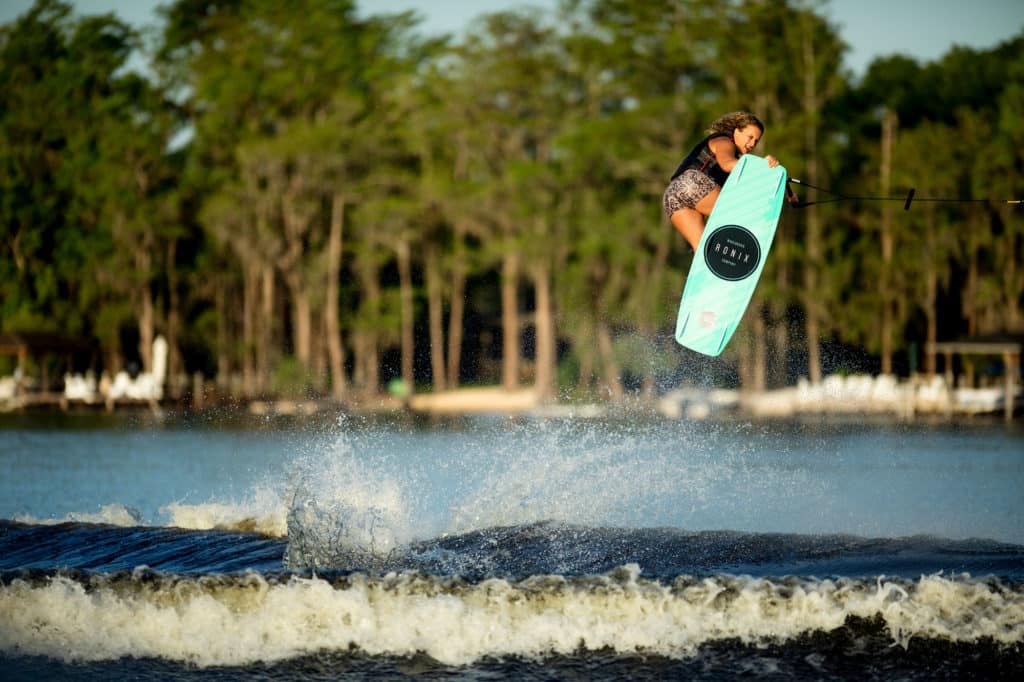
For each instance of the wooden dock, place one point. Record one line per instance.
(1008, 350)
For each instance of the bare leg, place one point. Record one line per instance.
(690, 224)
(690, 221)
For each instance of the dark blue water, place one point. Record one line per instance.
(511, 550)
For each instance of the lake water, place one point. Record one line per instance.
(493, 548)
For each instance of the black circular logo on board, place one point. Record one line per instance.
(732, 252)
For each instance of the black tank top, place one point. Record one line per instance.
(702, 159)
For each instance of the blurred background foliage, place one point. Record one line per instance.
(305, 201)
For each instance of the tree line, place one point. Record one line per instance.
(303, 199)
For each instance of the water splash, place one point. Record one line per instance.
(562, 472)
(369, 492)
(343, 510)
(626, 475)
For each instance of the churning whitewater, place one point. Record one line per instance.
(530, 550)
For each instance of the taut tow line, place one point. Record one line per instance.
(907, 200)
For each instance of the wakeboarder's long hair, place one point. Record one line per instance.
(735, 121)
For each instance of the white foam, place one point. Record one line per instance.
(262, 512)
(109, 514)
(236, 621)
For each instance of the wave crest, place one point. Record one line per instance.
(236, 620)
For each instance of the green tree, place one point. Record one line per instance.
(86, 196)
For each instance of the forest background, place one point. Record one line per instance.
(304, 201)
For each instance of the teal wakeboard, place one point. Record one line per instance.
(730, 255)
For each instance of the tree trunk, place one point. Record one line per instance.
(302, 314)
(1010, 279)
(145, 309)
(813, 244)
(368, 352)
(435, 303)
(296, 225)
(250, 304)
(586, 360)
(931, 294)
(759, 359)
(813, 330)
(655, 277)
(265, 337)
(319, 360)
(649, 384)
(510, 320)
(223, 344)
(744, 357)
(457, 311)
(175, 364)
(779, 358)
(779, 321)
(113, 360)
(885, 284)
(970, 299)
(612, 373)
(405, 294)
(358, 362)
(335, 347)
(545, 361)
(931, 313)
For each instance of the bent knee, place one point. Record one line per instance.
(686, 217)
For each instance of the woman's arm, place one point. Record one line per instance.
(725, 153)
(726, 156)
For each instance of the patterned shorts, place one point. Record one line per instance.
(686, 190)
